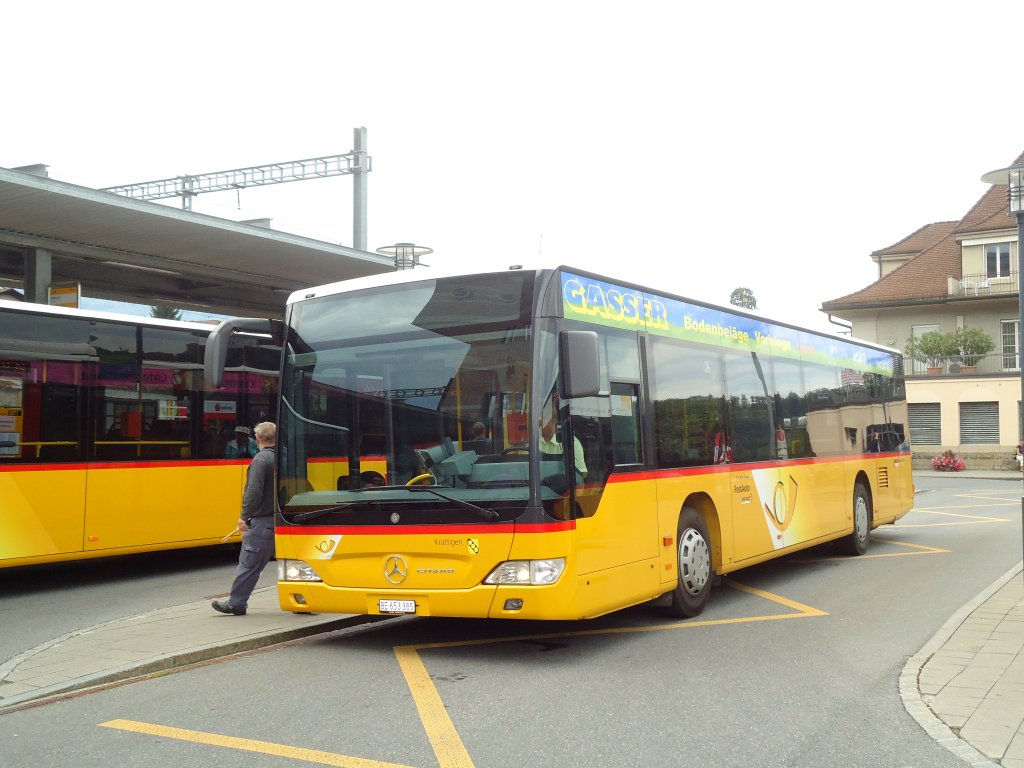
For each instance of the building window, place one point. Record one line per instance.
(925, 423)
(979, 423)
(1008, 344)
(997, 259)
(917, 331)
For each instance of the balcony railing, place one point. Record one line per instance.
(983, 285)
(992, 364)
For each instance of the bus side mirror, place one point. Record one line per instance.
(216, 353)
(580, 368)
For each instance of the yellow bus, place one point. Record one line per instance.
(110, 443)
(558, 445)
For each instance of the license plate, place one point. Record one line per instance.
(397, 606)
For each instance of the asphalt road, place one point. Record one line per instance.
(795, 663)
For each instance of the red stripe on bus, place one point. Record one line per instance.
(124, 465)
(42, 467)
(342, 459)
(409, 530)
(714, 469)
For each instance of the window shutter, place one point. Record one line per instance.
(979, 423)
(925, 424)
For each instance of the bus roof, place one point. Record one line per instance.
(399, 277)
(89, 314)
(402, 277)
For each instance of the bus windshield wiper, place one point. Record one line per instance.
(486, 514)
(313, 514)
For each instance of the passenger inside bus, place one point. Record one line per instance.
(551, 441)
(241, 445)
(479, 442)
(370, 479)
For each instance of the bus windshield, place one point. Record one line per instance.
(408, 403)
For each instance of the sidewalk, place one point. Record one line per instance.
(972, 474)
(965, 687)
(152, 642)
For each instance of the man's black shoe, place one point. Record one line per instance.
(225, 607)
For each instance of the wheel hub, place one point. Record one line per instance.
(860, 518)
(694, 561)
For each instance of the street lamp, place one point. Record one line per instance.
(1013, 177)
(406, 255)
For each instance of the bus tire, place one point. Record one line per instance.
(693, 587)
(857, 542)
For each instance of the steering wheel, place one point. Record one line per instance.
(513, 449)
(426, 476)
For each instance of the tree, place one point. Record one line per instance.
(164, 313)
(743, 297)
(972, 344)
(932, 348)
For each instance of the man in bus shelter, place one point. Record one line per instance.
(256, 523)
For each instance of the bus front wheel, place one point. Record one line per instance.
(694, 566)
(857, 542)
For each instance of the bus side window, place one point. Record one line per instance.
(625, 424)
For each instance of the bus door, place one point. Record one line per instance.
(759, 510)
(748, 440)
(616, 500)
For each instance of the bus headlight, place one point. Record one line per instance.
(527, 572)
(295, 570)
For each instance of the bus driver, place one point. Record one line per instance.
(550, 444)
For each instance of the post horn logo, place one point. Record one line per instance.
(783, 505)
(396, 569)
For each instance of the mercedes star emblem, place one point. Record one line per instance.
(396, 569)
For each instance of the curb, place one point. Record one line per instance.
(161, 663)
(910, 693)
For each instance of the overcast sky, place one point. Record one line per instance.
(695, 147)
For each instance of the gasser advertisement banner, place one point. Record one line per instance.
(595, 301)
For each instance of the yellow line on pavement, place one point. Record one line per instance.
(925, 550)
(992, 501)
(444, 738)
(966, 519)
(805, 610)
(441, 732)
(250, 745)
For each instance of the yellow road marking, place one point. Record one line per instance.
(805, 610)
(967, 519)
(925, 550)
(999, 502)
(448, 746)
(250, 745)
(441, 732)
(444, 738)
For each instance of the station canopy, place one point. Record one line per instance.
(147, 253)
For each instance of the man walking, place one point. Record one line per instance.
(256, 523)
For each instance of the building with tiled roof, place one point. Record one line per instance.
(913, 244)
(944, 276)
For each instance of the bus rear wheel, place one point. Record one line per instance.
(694, 565)
(857, 542)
